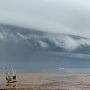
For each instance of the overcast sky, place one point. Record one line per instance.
(64, 16)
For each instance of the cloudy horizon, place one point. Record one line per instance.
(59, 16)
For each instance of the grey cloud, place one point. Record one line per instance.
(52, 15)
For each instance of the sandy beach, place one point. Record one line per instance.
(30, 89)
(47, 81)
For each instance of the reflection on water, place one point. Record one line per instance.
(10, 85)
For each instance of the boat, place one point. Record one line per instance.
(11, 78)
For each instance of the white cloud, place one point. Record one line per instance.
(63, 16)
(70, 43)
(2, 36)
(22, 36)
(43, 44)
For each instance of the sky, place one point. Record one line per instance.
(58, 16)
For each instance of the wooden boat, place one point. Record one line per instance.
(11, 79)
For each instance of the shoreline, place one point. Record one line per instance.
(29, 89)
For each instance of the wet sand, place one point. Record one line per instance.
(47, 81)
(29, 89)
